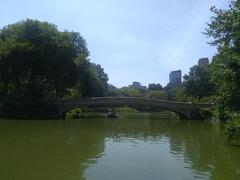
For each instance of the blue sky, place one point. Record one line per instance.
(133, 40)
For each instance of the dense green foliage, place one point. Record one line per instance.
(157, 94)
(93, 80)
(137, 90)
(155, 87)
(197, 83)
(233, 129)
(225, 67)
(37, 61)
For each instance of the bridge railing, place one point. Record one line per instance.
(132, 101)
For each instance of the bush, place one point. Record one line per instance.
(233, 129)
(206, 113)
(70, 114)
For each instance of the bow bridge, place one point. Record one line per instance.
(185, 110)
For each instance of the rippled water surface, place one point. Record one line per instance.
(132, 148)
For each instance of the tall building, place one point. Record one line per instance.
(175, 78)
(203, 62)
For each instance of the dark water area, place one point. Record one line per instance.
(146, 146)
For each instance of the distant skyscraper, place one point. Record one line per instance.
(203, 62)
(175, 77)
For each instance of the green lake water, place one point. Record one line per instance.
(134, 147)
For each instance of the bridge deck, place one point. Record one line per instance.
(97, 101)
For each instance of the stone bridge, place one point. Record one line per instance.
(185, 110)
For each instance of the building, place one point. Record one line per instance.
(137, 85)
(175, 78)
(203, 62)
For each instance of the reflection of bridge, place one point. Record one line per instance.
(185, 110)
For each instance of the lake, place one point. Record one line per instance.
(143, 146)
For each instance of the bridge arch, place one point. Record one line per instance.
(185, 110)
(182, 115)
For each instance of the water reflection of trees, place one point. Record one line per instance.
(201, 144)
(49, 150)
(64, 149)
(204, 148)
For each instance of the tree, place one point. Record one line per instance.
(225, 68)
(92, 79)
(111, 90)
(129, 92)
(197, 83)
(137, 86)
(37, 60)
(156, 94)
(101, 75)
(177, 93)
(155, 87)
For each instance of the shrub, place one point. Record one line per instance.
(233, 129)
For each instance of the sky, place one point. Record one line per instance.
(133, 40)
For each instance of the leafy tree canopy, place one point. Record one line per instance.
(197, 83)
(225, 68)
(155, 87)
(37, 61)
